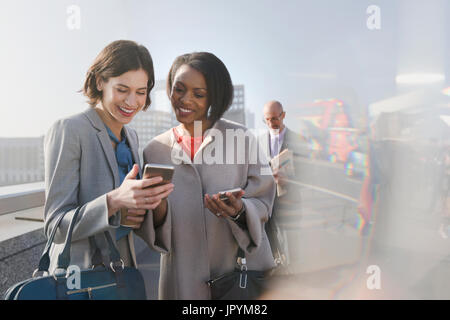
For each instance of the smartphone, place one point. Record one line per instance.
(155, 170)
(223, 196)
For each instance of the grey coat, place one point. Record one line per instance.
(299, 147)
(80, 168)
(195, 244)
(292, 141)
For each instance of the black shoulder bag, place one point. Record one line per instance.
(241, 284)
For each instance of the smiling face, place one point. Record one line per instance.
(122, 97)
(189, 96)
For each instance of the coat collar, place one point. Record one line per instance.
(134, 146)
(180, 155)
(95, 119)
(266, 141)
(285, 143)
(105, 141)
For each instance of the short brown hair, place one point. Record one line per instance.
(115, 59)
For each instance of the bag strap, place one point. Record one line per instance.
(96, 258)
(241, 253)
(64, 256)
(114, 255)
(44, 261)
(240, 260)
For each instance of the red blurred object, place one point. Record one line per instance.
(336, 135)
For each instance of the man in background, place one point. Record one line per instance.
(286, 204)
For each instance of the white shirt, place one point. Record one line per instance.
(276, 141)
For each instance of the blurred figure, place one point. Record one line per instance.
(403, 206)
(279, 138)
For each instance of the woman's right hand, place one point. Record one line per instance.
(136, 194)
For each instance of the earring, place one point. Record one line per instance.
(209, 111)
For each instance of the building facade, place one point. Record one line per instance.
(236, 112)
(21, 160)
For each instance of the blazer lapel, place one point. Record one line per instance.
(205, 142)
(105, 142)
(208, 139)
(109, 152)
(285, 144)
(134, 148)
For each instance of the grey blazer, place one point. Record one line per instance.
(299, 146)
(195, 244)
(80, 168)
(292, 141)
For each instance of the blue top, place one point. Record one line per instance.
(125, 163)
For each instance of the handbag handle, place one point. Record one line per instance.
(64, 256)
(44, 261)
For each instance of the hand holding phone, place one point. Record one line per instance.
(223, 194)
(138, 195)
(159, 170)
(222, 206)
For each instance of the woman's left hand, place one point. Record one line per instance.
(136, 216)
(224, 209)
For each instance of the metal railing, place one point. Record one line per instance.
(20, 197)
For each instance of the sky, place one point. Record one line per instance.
(291, 51)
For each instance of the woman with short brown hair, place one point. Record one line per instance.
(92, 161)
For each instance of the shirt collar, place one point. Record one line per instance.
(280, 135)
(113, 136)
